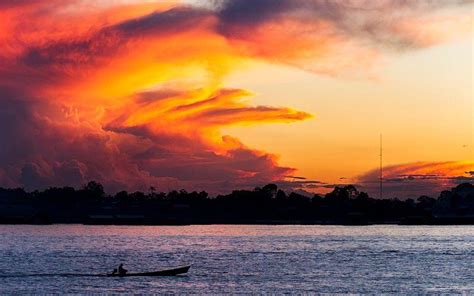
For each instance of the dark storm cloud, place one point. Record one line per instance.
(374, 21)
(173, 20)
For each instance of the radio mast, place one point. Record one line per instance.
(381, 170)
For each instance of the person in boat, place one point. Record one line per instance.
(121, 270)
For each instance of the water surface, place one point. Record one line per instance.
(238, 258)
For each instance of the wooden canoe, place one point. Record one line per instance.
(164, 272)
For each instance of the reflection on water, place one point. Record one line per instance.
(238, 258)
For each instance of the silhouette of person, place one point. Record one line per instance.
(121, 270)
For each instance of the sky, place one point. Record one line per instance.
(220, 95)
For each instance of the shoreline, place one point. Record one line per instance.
(267, 223)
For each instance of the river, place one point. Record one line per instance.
(238, 259)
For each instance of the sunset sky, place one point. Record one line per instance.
(220, 95)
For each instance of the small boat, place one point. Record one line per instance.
(165, 272)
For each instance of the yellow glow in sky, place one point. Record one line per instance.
(422, 103)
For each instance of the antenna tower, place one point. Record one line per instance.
(381, 169)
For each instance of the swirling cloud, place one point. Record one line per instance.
(131, 94)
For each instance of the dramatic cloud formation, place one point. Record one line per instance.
(130, 93)
(416, 179)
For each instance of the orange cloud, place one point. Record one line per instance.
(132, 95)
(416, 179)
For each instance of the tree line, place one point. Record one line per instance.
(262, 205)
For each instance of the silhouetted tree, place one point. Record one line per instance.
(269, 190)
(425, 202)
(93, 190)
(281, 195)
